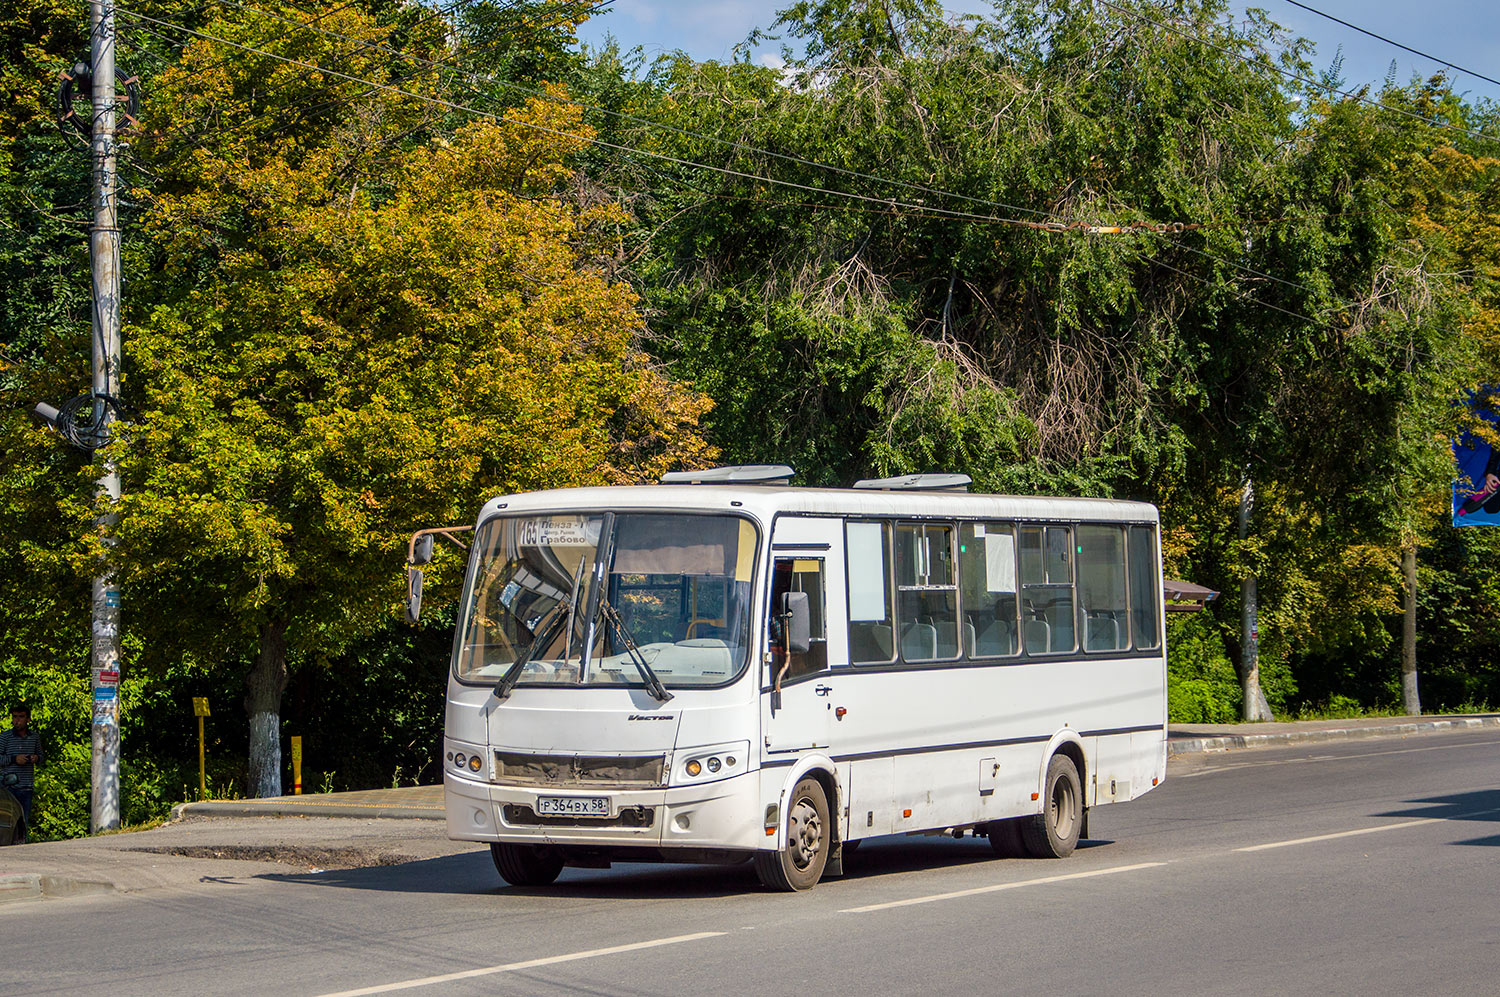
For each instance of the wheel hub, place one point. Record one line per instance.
(806, 837)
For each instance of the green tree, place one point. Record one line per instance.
(347, 336)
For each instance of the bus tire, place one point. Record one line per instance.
(800, 864)
(1005, 837)
(526, 865)
(1053, 833)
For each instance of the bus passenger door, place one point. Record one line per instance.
(798, 703)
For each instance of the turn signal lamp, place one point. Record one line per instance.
(473, 763)
(694, 767)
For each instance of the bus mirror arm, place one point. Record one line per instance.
(786, 662)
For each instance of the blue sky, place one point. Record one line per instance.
(1464, 32)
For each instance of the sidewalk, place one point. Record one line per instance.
(1186, 739)
(420, 802)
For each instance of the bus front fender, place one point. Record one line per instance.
(821, 767)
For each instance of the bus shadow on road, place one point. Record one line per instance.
(469, 872)
(898, 855)
(1481, 805)
(472, 873)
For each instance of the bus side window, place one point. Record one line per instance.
(1145, 588)
(927, 603)
(802, 574)
(872, 626)
(1101, 588)
(1046, 589)
(987, 562)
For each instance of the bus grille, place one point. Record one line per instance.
(517, 768)
(519, 815)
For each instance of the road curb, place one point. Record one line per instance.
(36, 886)
(1230, 742)
(248, 808)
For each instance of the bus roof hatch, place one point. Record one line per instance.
(918, 483)
(737, 474)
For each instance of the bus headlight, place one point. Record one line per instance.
(713, 761)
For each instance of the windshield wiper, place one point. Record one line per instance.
(622, 634)
(544, 635)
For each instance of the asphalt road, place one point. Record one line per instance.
(1366, 867)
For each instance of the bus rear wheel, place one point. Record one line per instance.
(1053, 833)
(526, 865)
(799, 865)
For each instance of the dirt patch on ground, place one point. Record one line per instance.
(303, 856)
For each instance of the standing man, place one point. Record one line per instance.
(20, 753)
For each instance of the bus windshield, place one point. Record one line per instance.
(679, 583)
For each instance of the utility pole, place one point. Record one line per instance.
(1255, 706)
(1411, 702)
(104, 246)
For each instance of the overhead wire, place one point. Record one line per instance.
(1391, 41)
(886, 204)
(744, 148)
(283, 33)
(1178, 28)
(687, 133)
(304, 104)
(613, 146)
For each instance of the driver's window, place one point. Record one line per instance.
(801, 574)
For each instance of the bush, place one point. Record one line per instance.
(1202, 684)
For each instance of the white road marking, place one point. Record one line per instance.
(512, 967)
(1341, 834)
(1368, 830)
(1001, 886)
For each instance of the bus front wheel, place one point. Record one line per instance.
(799, 864)
(526, 865)
(1053, 833)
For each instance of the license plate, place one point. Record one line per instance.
(573, 806)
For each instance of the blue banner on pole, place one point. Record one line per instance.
(1476, 490)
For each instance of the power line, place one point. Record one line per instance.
(1058, 227)
(282, 34)
(1177, 27)
(1392, 41)
(686, 133)
(884, 203)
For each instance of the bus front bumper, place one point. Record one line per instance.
(718, 814)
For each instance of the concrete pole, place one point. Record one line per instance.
(1255, 706)
(104, 246)
(1410, 701)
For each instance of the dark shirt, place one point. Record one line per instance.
(13, 744)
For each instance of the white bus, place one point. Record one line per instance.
(722, 668)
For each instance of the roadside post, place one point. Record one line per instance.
(297, 765)
(200, 710)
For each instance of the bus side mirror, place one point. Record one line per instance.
(414, 593)
(421, 551)
(794, 609)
